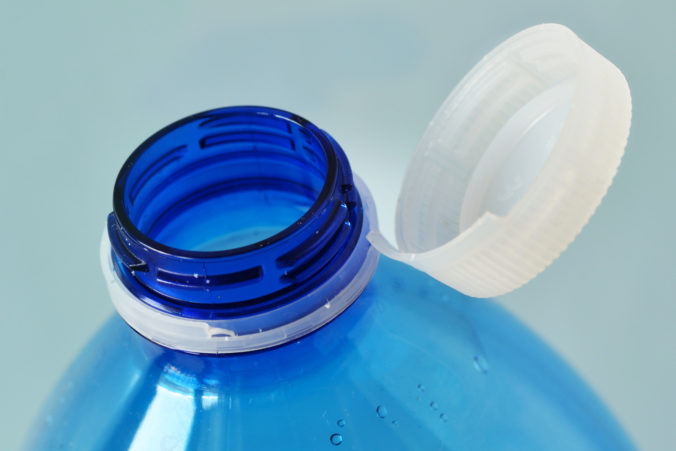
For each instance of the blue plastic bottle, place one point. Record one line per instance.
(262, 318)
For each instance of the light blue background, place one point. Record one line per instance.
(81, 85)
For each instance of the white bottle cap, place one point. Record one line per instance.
(513, 164)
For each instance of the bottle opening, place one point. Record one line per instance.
(225, 182)
(233, 211)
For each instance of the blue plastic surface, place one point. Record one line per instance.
(412, 364)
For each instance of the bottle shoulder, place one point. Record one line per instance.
(411, 364)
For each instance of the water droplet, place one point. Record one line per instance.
(434, 405)
(341, 423)
(208, 281)
(443, 417)
(195, 275)
(381, 411)
(421, 387)
(395, 422)
(480, 364)
(336, 439)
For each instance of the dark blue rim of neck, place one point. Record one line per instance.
(250, 279)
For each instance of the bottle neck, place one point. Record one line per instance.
(235, 222)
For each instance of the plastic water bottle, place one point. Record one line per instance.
(242, 255)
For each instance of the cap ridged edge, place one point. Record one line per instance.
(498, 254)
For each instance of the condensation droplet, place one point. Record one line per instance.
(336, 439)
(434, 405)
(395, 422)
(443, 417)
(421, 387)
(381, 411)
(195, 275)
(341, 423)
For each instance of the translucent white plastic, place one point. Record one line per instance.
(514, 163)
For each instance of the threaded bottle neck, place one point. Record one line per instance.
(234, 212)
